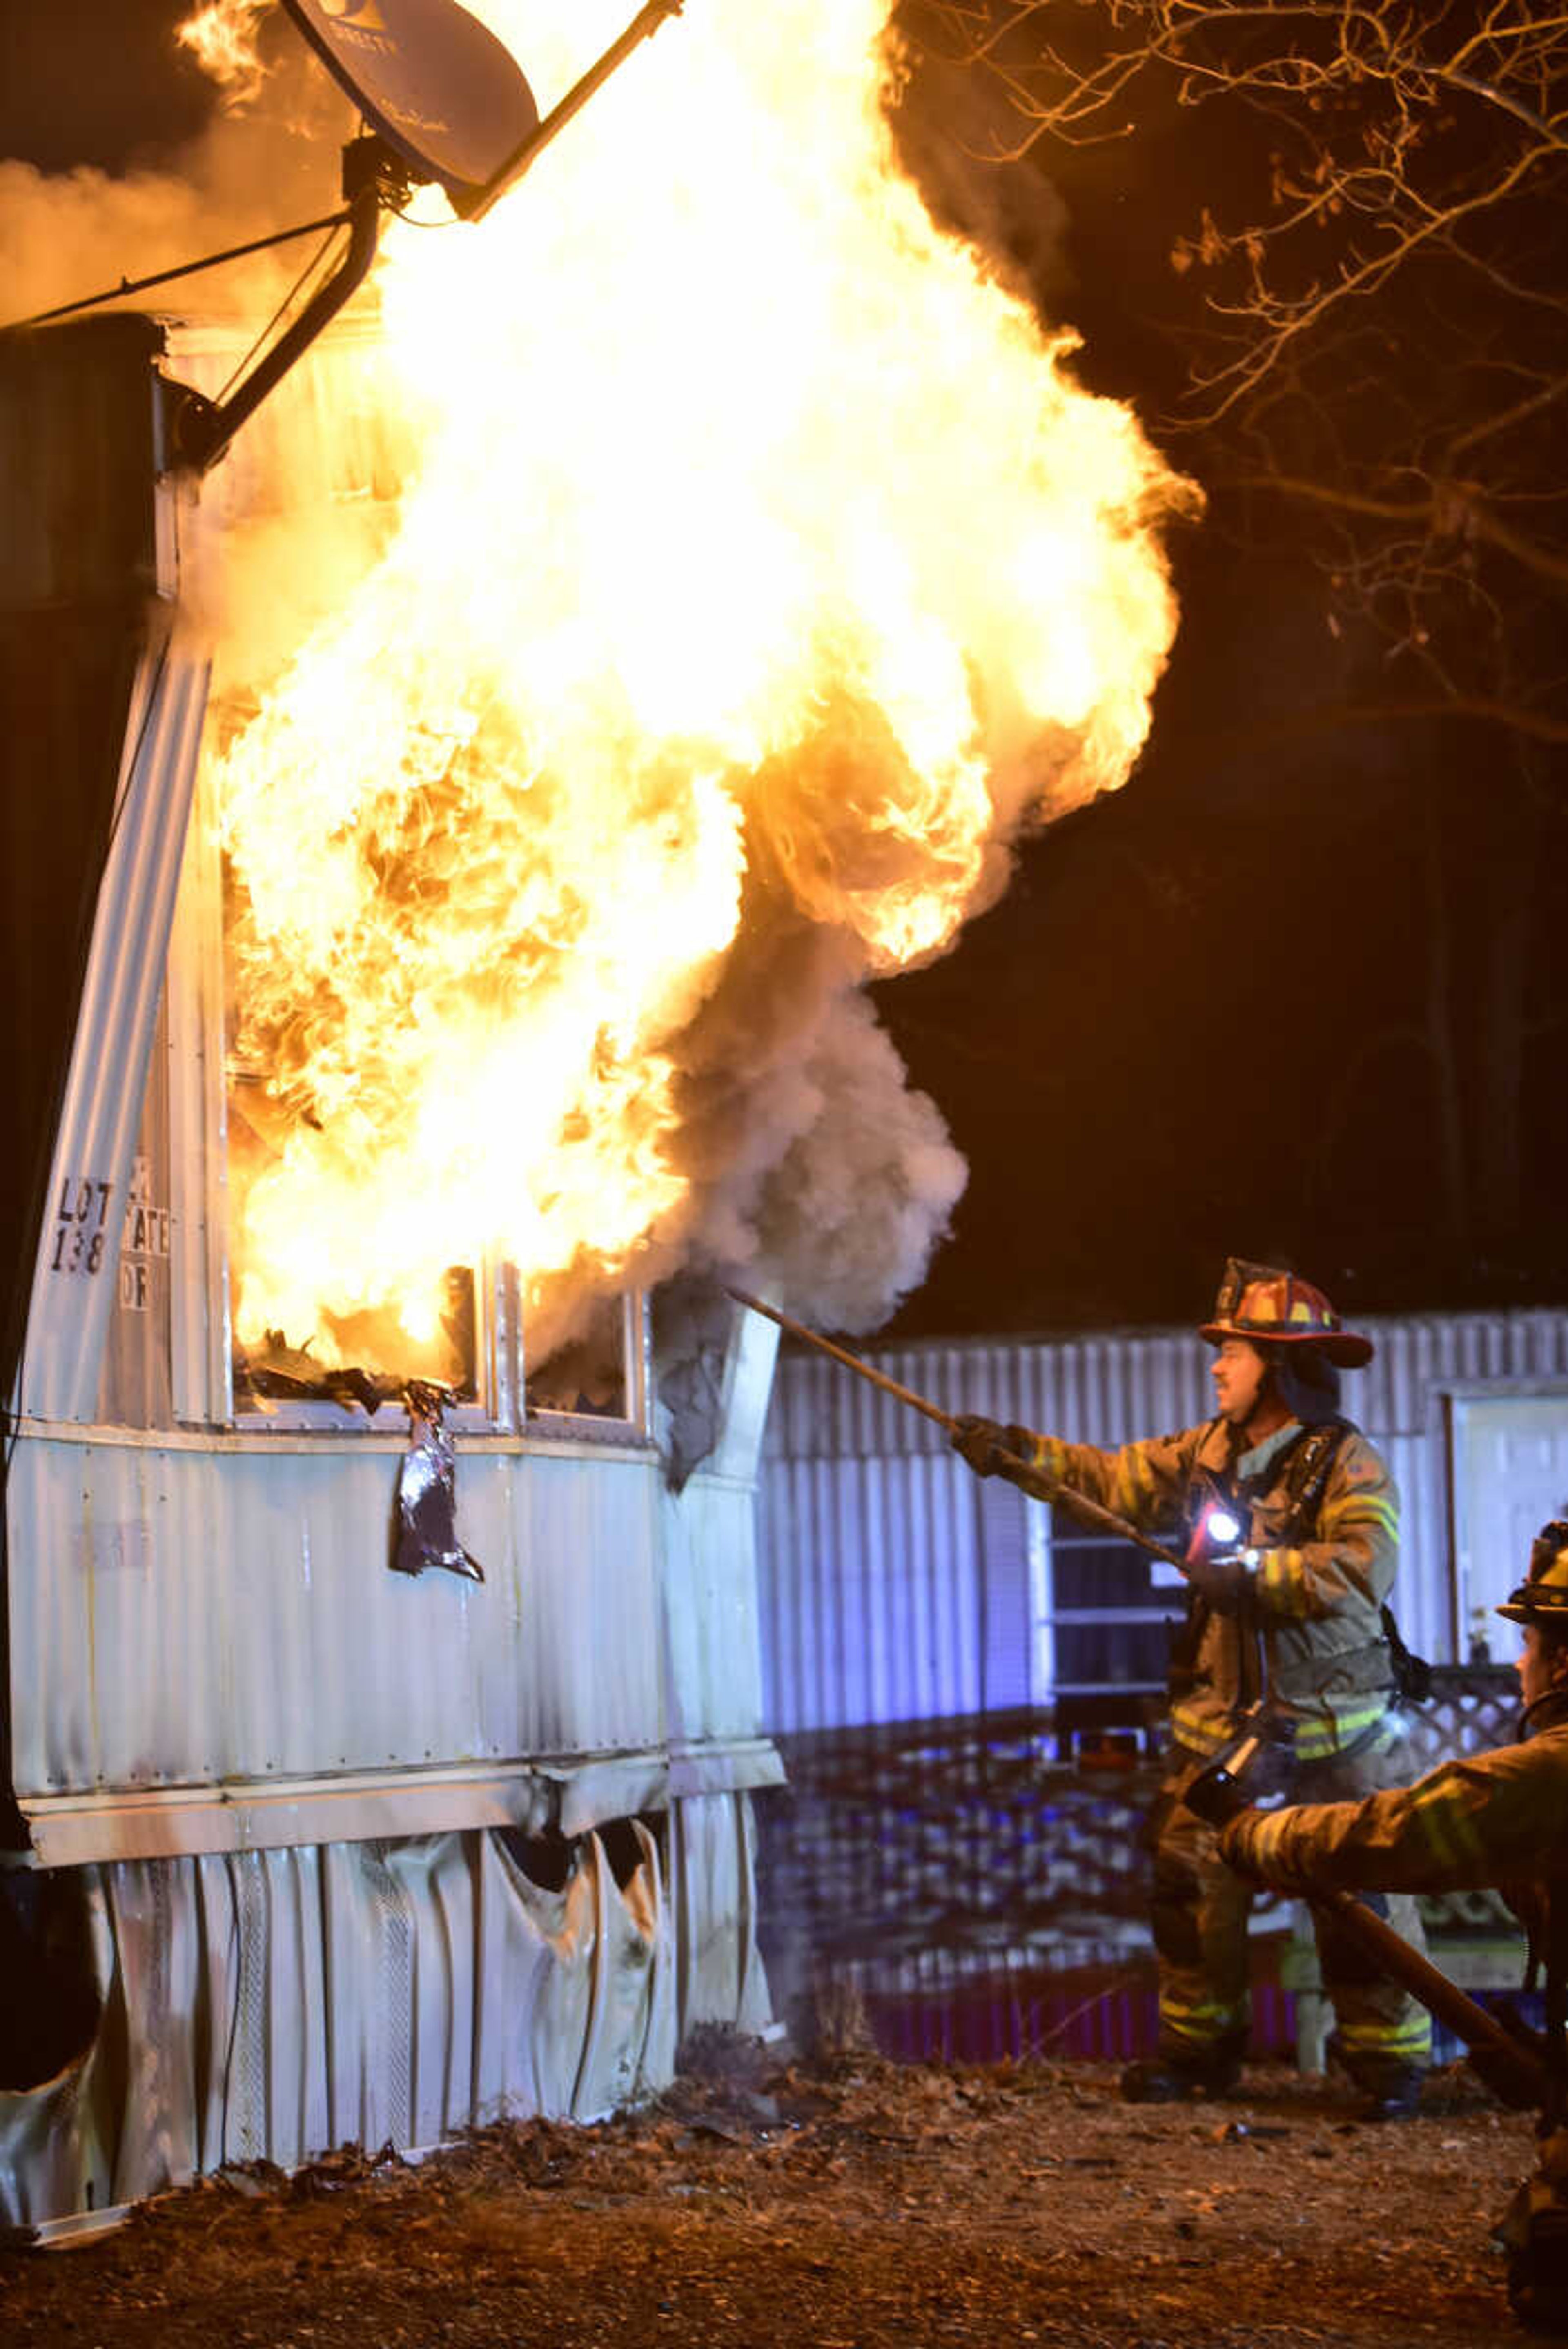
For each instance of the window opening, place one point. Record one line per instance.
(485, 1333)
(585, 1373)
(364, 1357)
(361, 1357)
(1106, 1628)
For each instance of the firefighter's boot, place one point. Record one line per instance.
(1390, 2088)
(1174, 2076)
(1389, 2092)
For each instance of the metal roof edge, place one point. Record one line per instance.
(1142, 1333)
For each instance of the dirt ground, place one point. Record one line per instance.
(850, 2205)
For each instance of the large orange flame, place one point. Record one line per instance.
(761, 542)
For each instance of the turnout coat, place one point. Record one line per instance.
(1325, 1561)
(1498, 1818)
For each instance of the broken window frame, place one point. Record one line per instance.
(636, 1371)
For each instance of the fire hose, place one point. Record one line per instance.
(1508, 2065)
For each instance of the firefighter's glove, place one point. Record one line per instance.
(985, 1442)
(1224, 1581)
(1242, 1846)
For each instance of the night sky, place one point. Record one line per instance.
(1227, 1010)
(83, 82)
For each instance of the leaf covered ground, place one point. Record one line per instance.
(853, 2204)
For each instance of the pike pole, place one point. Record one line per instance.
(1092, 1512)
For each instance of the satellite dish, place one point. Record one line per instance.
(440, 88)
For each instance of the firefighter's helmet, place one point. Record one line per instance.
(1258, 1302)
(1543, 1597)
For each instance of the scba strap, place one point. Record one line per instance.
(1311, 1464)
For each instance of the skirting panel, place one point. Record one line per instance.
(275, 2004)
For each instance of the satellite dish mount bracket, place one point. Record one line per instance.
(373, 176)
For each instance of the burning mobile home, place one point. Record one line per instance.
(441, 859)
(303, 1848)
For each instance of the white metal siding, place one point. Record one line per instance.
(869, 1590)
(181, 1615)
(73, 1291)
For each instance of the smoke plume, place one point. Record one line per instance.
(268, 159)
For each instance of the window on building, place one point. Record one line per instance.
(589, 1375)
(1105, 1614)
(1507, 1475)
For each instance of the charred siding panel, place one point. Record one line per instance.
(273, 2004)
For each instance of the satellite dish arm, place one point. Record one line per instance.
(203, 429)
(646, 23)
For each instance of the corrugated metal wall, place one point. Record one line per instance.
(213, 1616)
(270, 2005)
(874, 1587)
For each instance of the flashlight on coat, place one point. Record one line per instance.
(1216, 1565)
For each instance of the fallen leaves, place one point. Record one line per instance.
(865, 2204)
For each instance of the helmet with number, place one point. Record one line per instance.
(1270, 1307)
(1543, 1597)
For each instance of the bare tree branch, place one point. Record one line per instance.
(1363, 286)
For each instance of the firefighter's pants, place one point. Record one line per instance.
(1200, 1912)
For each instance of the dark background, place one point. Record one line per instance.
(1299, 992)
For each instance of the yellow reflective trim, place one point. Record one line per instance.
(1196, 2009)
(1369, 1508)
(1282, 1577)
(1413, 2037)
(1200, 2022)
(1133, 1484)
(1318, 1733)
(1316, 1737)
(1265, 1836)
(1449, 1830)
(1205, 1733)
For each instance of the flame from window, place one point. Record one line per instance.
(764, 564)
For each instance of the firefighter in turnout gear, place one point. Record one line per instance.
(1289, 1520)
(1498, 1818)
